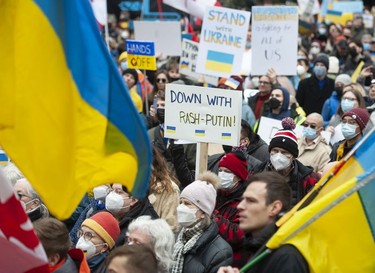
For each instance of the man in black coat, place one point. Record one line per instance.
(313, 91)
(266, 197)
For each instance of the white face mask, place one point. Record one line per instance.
(280, 161)
(300, 70)
(186, 216)
(114, 202)
(100, 192)
(87, 247)
(226, 179)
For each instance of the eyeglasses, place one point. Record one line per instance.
(312, 126)
(263, 82)
(351, 99)
(86, 235)
(287, 154)
(349, 121)
(20, 195)
(161, 80)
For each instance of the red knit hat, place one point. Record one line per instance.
(361, 116)
(105, 225)
(286, 138)
(235, 165)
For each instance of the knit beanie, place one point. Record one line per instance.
(133, 72)
(235, 165)
(105, 225)
(234, 82)
(361, 116)
(202, 192)
(344, 79)
(285, 138)
(322, 58)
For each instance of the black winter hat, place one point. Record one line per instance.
(285, 138)
(322, 58)
(133, 72)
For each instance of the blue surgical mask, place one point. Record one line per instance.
(309, 133)
(348, 131)
(124, 66)
(347, 105)
(366, 46)
(320, 71)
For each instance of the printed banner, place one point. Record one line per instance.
(222, 41)
(274, 40)
(188, 63)
(141, 55)
(203, 114)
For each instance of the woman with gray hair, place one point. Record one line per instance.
(30, 200)
(157, 235)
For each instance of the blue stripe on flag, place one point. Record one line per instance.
(220, 57)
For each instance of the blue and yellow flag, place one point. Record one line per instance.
(336, 232)
(67, 120)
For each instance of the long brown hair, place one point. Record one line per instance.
(160, 172)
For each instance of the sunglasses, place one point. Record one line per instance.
(161, 80)
(312, 126)
(262, 82)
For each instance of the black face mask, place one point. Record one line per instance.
(274, 103)
(339, 91)
(35, 214)
(160, 115)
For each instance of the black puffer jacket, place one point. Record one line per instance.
(209, 253)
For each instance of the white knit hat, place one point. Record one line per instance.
(202, 192)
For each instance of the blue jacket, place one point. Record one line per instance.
(330, 107)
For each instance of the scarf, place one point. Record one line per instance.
(185, 242)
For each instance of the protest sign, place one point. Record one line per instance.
(141, 55)
(188, 63)
(348, 6)
(268, 127)
(274, 40)
(165, 35)
(203, 114)
(193, 7)
(222, 41)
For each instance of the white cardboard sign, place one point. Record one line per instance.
(166, 35)
(188, 63)
(193, 7)
(274, 39)
(203, 114)
(222, 41)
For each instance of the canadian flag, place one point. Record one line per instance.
(20, 249)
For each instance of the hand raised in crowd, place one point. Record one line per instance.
(271, 73)
(228, 269)
(366, 72)
(331, 130)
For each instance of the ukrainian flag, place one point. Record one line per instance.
(200, 133)
(171, 129)
(67, 120)
(226, 136)
(336, 232)
(219, 61)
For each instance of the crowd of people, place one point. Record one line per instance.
(218, 222)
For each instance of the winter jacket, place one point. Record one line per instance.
(165, 203)
(258, 148)
(315, 155)
(339, 150)
(209, 253)
(309, 95)
(227, 219)
(141, 208)
(330, 107)
(75, 263)
(286, 259)
(301, 179)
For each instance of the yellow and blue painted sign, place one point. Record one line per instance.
(141, 55)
